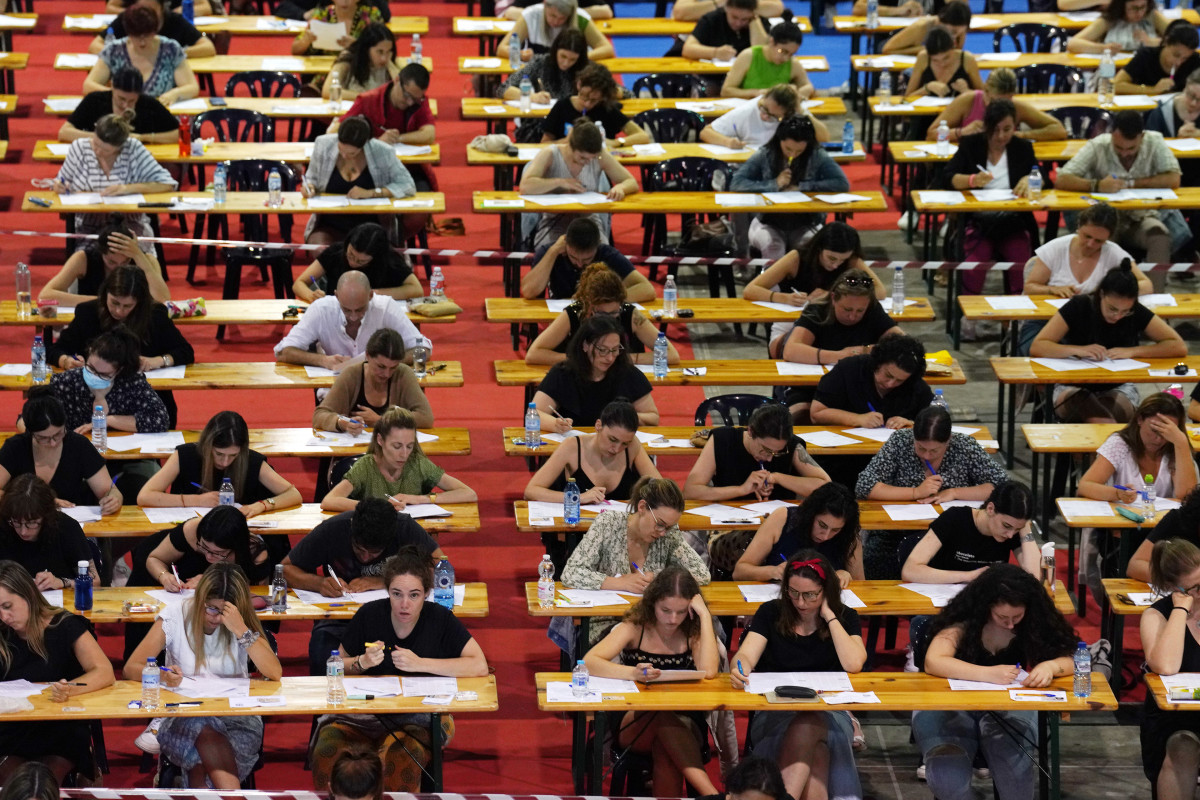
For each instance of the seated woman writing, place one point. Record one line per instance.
(943, 68)
(364, 392)
(366, 249)
(964, 115)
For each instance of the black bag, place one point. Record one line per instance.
(708, 238)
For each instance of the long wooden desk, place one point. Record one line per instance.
(987, 61)
(499, 27)
(241, 25)
(274, 107)
(1154, 685)
(981, 22)
(897, 691)
(263, 311)
(470, 65)
(291, 152)
(298, 520)
(108, 605)
(257, 375)
(501, 111)
(213, 65)
(237, 203)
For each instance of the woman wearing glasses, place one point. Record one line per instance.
(65, 460)
(41, 538)
(753, 124)
(808, 629)
(596, 371)
(1124, 25)
(213, 634)
(1107, 324)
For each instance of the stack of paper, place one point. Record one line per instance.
(938, 593)
(841, 198)
(426, 511)
(1011, 302)
(428, 685)
(1076, 509)
(738, 199)
(1132, 100)
(1187, 145)
(20, 688)
(382, 686)
(782, 198)
(763, 682)
(1183, 680)
(15, 370)
(947, 198)
(594, 597)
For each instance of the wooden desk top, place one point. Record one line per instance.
(305, 695)
(1116, 589)
(1155, 687)
(257, 375)
(19, 22)
(298, 520)
(707, 309)
(1078, 438)
(903, 152)
(477, 107)
(865, 63)
(1013, 369)
(897, 691)
(630, 157)
(1042, 102)
(724, 598)
(316, 65)
(682, 203)
(981, 22)
(731, 372)
(236, 203)
(264, 311)
(872, 516)
(1054, 200)
(977, 307)
(860, 447)
(109, 605)
(661, 64)
(291, 152)
(620, 26)
(14, 60)
(274, 107)
(240, 25)
(1114, 521)
(8, 104)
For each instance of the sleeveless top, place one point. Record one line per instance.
(624, 488)
(94, 273)
(1122, 32)
(632, 343)
(762, 74)
(551, 224)
(361, 400)
(977, 108)
(339, 185)
(960, 72)
(636, 655)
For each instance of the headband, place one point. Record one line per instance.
(813, 563)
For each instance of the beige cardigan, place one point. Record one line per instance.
(404, 390)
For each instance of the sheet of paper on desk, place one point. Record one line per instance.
(660, 443)
(594, 597)
(58, 148)
(781, 198)
(562, 437)
(258, 701)
(328, 202)
(1057, 302)
(957, 685)
(932, 149)
(993, 195)
(175, 373)
(810, 63)
(532, 105)
(1011, 302)
(369, 201)
(983, 23)
(20, 688)
(286, 64)
(887, 304)
(83, 513)
(541, 508)
(54, 596)
(1152, 300)
(460, 594)
(845, 698)
(1120, 364)
(677, 675)
(122, 199)
(874, 434)
(413, 202)
(312, 598)
(965, 431)
(88, 22)
(63, 103)
(910, 511)
(783, 307)
(790, 368)
(79, 199)
(561, 692)
(382, 686)
(327, 34)
(1142, 598)
(767, 506)
(1000, 56)
(1138, 194)
(851, 600)
(894, 106)
(559, 305)
(1063, 364)
(1165, 504)
(528, 153)
(481, 63)
(826, 439)
(192, 203)
(759, 592)
(474, 25)
(603, 505)
(15, 370)
(1072, 509)
(198, 21)
(369, 596)
(942, 197)
(735, 199)
(80, 60)
(932, 102)
(426, 510)
(1132, 100)
(425, 686)
(654, 149)
(763, 682)
(319, 372)
(938, 593)
(169, 598)
(841, 198)
(715, 510)
(339, 439)
(1187, 145)
(277, 24)
(194, 687)
(166, 516)
(566, 199)
(721, 150)
(1082, 16)
(195, 104)
(698, 107)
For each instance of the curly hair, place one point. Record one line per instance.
(837, 501)
(597, 285)
(800, 565)
(673, 581)
(904, 351)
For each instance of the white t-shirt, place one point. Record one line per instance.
(999, 172)
(1056, 255)
(745, 123)
(535, 24)
(220, 660)
(1126, 472)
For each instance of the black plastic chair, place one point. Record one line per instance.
(1049, 79)
(664, 85)
(731, 409)
(671, 124)
(1083, 122)
(265, 83)
(1031, 37)
(234, 125)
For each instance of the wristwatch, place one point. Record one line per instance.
(270, 501)
(379, 192)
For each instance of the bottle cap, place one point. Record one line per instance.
(1048, 550)
(1149, 479)
(82, 565)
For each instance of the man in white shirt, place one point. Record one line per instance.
(342, 323)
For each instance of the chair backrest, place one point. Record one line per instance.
(1083, 122)
(731, 409)
(688, 174)
(665, 85)
(671, 124)
(234, 125)
(1049, 79)
(250, 175)
(264, 83)
(1031, 37)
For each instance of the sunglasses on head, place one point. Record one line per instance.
(860, 283)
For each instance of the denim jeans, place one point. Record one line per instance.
(964, 732)
(767, 735)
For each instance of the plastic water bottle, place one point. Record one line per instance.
(225, 495)
(670, 298)
(274, 189)
(939, 400)
(1176, 391)
(1035, 184)
(335, 89)
(872, 14)
(437, 283)
(546, 582)
(1048, 566)
(1107, 72)
(220, 184)
(109, 36)
(335, 671)
(885, 88)
(943, 140)
(1083, 671)
(514, 53)
(151, 676)
(24, 291)
(533, 426)
(1148, 497)
(660, 356)
(526, 95)
(279, 591)
(83, 587)
(579, 679)
(848, 138)
(571, 502)
(415, 58)
(443, 584)
(99, 429)
(189, 11)
(898, 290)
(37, 360)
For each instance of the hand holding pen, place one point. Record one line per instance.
(872, 419)
(205, 498)
(331, 586)
(646, 672)
(739, 676)
(1125, 494)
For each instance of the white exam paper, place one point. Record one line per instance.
(736, 199)
(327, 34)
(763, 682)
(767, 506)
(875, 434)
(1072, 509)
(910, 511)
(380, 686)
(427, 685)
(957, 685)
(948, 198)
(783, 198)
(938, 593)
(826, 439)
(841, 198)
(1012, 302)
(174, 373)
(845, 698)
(167, 516)
(790, 368)
(83, 514)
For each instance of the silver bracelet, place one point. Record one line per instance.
(247, 639)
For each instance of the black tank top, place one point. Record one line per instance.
(961, 72)
(623, 489)
(636, 655)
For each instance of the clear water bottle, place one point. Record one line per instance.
(335, 89)
(220, 184)
(533, 426)
(1049, 567)
(943, 139)
(660, 356)
(83, 587)
(279, 591)
(109, 36)
(415, 58)
(546, 582)
(1035, 184)
(670, 298)
(437, 283)
(99, 429)
(225, 494)
(526, 95)
(189, 11)
(579, 679)
(1107, 72)
(872, 14)
(1148, 497)
(37, 360)
(1083, 671)
(335, 688)
(151, 678)
(514, 53)
(939, 400)
(571, 502)
(884, 93)
(274, 189)
(443, 584)
(24, 291)
(848, 138)
(898, 290)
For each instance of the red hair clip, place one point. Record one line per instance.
(813, 564)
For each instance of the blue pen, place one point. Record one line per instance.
(313, 281)
(198, 486)
(739, 666)
(116, 477)
(1122, 488)
(637, 569)
(932, 471)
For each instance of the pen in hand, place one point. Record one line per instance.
(337, 580)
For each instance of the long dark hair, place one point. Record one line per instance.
(225, 527)
(673, 581)
(569, 38)
(837, 237)
(358, 54)
(592, 330)
(837, 501)
(1042, 634)
(224, 429)
(127, 281)
(815, 567)
(1114, 12)
(797, 129)
(1157, 403)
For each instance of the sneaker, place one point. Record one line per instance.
(147, 740)
(921, 771)
(917, 221)
(980, 767)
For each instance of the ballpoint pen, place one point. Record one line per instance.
(336, 580)
(637, 569)
(177, 580)
(198, 486)
(1023, 693)
(932, 471)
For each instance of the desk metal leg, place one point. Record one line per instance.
(1010, 434)
(435, 750)
(579, 750)
(596, 776)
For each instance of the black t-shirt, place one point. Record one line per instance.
(834, 336)
(58, 549)
(174, 27)
(582, 400)
(734, 464)
(798, 653)
(713, 30)
(1146, 69)
(329, 544)
(150, 116)
(190, 467)
(437, 634)
(388, 275)
(61, 663)
(563, 114)
(564, 276)
(1174, 526)
(1086, 325)
(964, 546)
(850, 386)
(78, 463)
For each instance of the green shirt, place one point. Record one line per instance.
(419, 476)
(762, 74)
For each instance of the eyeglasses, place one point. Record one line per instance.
(768, 451)
(208, 551)
(89, 368)
(766, 115)
(1113, 311)
(54, 438)
(659, 525)
(411, 98)
(607, 351)
(213, 611)
(808, 596)
(25, 524)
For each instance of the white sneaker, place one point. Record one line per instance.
(147, 740)
(921, 771)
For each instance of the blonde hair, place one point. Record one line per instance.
(16, 580)
(225, 582)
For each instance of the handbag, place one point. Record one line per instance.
(708, 238)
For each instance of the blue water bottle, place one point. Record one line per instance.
(83, 587)
(443, 584)
(189, 11)
(571, 502)
(848, 138)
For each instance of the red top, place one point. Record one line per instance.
(379, 111)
